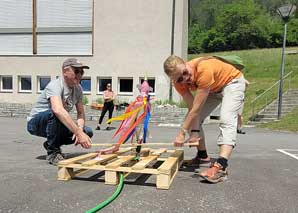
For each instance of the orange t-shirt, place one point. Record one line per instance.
(209, 73)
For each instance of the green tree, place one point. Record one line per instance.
(242, 25)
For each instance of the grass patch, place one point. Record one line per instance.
(289, 122)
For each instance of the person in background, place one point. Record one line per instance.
(109, 97)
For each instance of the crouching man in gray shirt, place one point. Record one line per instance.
(50, 116)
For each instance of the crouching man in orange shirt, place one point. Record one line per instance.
(213, 82)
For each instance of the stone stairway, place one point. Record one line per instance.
(269, 113)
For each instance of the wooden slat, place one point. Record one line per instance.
(143, 144)
(119, 162)
(179, 153)
(122, 151)
(75, 159)
(100, 159)
(144, 162)
(167, 166)
(159, 151)
(76, 166)
(118, 169)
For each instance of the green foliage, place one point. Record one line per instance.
(85, 100)
(292, 32)
(242, 26)
(195, 36)
(224, 25)
(99, 100)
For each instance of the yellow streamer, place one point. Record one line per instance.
(128, 114)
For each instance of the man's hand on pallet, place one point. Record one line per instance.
(180, 139)
(81, 138)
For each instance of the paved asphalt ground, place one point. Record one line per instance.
(261, 178)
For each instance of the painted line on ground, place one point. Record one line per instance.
(287, 153)
(171, 125)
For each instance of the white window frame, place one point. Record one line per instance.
(97, 84)
(1, 83)
(20, 86)
(87, 78)
(151, 78)
(34, 30)
(118, 86)
(38, 82)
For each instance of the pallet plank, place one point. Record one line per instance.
(144, 162)
(119, 162)
(168, 164)
(114, 164)
(99, 160)
(78, 158)
(169, 169)
(159, 151)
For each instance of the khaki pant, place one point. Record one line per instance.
(231, 99)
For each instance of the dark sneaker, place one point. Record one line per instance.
(196, 162)
(54, 158)
(239, 131)
(108, 128)
(215, 173)
(45, 145)
(97, 128)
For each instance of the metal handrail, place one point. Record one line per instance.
(252, 103)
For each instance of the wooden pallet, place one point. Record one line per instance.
(123, 161)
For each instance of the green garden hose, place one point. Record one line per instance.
(110, 199)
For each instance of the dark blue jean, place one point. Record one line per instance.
(47, 125)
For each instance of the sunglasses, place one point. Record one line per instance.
(184, 74)
(78, 70)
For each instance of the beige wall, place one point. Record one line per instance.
(131, 39)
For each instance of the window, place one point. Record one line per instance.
(125, 85)
(151, 82)
(64, 27)
(16, 27)
(42, 82)
(102, 84)
(6, 84)
(86, 85)
(25, 84)
(61, 27)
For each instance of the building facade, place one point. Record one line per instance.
(122, 41)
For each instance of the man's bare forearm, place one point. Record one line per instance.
(67, 120)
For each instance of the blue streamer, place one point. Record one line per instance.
(146, 122)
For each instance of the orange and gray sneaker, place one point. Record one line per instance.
(215, 173)
(196, 162)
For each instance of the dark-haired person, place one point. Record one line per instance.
(109, 97)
